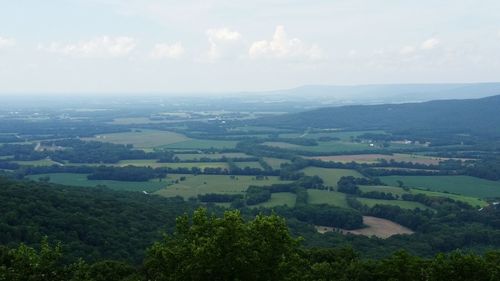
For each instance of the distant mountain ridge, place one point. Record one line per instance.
(469, 116)
(391, 92)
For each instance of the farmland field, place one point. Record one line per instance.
(378, 227)
(142, 138)
(275, 163)
(201, 144)
(399, 191)
(279, 199)
(342, 135)
(387, 189)
(194, 156)
(330, 176)
(153, 164)
(403, 204)
(253, 164)
(221, 184)
(325, 146)
(467, 199)
(316, 196)
(81, 180)
(464, 185)
(374, 158)
(42, 162)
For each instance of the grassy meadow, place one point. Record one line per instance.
(71, 179)
(464, 185)
(330, 176)
(222, 184)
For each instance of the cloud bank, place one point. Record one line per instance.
(99, 47)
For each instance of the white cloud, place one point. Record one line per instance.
(100, 47)
(6, 42)
(407, 50)
(222, 42)
(430, 44)
(168, 51)
(281, 47)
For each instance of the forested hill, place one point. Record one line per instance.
(471, 116)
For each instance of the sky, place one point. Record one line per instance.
(213, 46)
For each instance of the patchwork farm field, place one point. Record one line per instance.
(81, 180)
(400, 203)
(202, 144)
(275, 163)
(279, 199)
(325, 146)
(333, 198)
(374, 158)
(42, 162)
(196, 156)
(464, 185)
(142, 139)
(377, 227)
(153, 164)
(330, 176)
(473, 201)
(243, 165)
(341, 135)
(221, 184)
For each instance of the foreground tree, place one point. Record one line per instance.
(227, 248)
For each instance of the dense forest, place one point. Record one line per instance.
(206, 247)
(448, 117)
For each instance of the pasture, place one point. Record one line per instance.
(375, 158)
(325, 146)
(330, 176)
(400, 203)
(345, 136)
(201, 144)
(197, 156)
(275, 163)
(142, 139)
(42, 162)
(278, 199)
(242, 165)
(377, 227)
(464, 185)
(153, 164)
(221, 184)
(72, 179)
(333, 198)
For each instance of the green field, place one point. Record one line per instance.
(195, 156)
(375, 158)
(253, 164)
(81, 180)
(342, 135)
(275, 163)
(403, 204)
(330, 176)
(142, 138)
(42, 162)
(222, 184)
(387, 189)
(399, 191)
(279, 199)
(202, 144)
(316, 196)
(153, 164)
(464, 185)
(325, 147)
(467, 199)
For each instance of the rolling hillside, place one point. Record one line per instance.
(471, 116)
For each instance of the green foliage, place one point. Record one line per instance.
(227, 248)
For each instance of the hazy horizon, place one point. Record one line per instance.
(221, 46)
